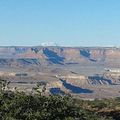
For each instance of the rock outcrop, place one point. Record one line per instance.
(59, 55)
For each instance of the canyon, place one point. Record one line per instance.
(60, 55)
(84, 72)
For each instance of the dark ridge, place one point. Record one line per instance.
(93, 60)
(28, 61)
(99, 79)
(3, 61)
(53, 57)
(86, 54)
(36, 50)
(75, 89)
(56, 91)
(71, 63)
(20, 50)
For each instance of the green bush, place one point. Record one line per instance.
(21, 106)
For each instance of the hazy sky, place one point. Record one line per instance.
(65, 22)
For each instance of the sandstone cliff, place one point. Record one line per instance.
(59, 55)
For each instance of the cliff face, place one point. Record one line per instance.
(59, 55)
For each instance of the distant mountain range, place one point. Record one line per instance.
(46, 55)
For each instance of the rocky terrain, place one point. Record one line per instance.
(85, 72)
(59, 55)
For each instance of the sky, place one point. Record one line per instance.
(64, 22)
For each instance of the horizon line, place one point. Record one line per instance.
(60, 46)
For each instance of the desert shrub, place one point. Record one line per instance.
(21, 106)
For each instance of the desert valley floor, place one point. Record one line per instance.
(85, 73)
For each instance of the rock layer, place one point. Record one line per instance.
(59, 55)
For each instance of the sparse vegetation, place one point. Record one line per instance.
(21, 106)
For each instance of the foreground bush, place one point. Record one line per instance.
(20, 106)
